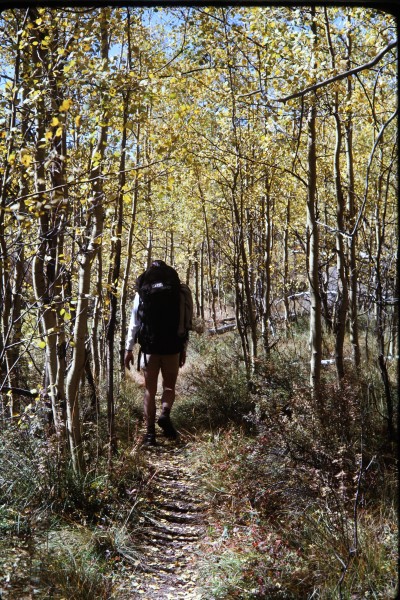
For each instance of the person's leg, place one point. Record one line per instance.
(169, 371)
(150, 372)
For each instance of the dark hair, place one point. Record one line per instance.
(158, 263)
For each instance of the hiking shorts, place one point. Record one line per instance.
(167, 363)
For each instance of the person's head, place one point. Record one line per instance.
(158, 263)
(157, 271)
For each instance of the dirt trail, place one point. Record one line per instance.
(171, 530)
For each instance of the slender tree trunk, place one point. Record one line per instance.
(351, 211)
(210, 270)
(285, 282)
(43, 276)
(132, 222)
(313, 262)
(115, 268)
(249, 311)
(341, 313)
(202, 302)
(313, 245)
(128, 264)
(88, 253)
(267, 248)
(95, 337)
(342, 291)
(78, 363)
(197, 283)
(237, 187)
(380, 312)
(149, 247)
(11, 278)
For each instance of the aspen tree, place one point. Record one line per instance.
(313, 239)
(90, 249)
(342, 276)
(351, 211)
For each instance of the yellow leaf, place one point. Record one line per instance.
(42, 344)
(78, 120)
(26, 159)
(48, 135)
(55, 122)
(66, 105)
(59, 132)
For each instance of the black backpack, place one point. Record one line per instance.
(159, 291)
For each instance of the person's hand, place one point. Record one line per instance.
(182, 358)
(128, 359)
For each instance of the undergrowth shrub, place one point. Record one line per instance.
(306, 487)
(217, 393)
(129, 409)
(283, 529)
(36, 475)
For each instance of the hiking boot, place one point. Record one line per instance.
(149, 439)
(166, 425)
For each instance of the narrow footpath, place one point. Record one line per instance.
(171, 530)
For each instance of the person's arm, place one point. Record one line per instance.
(133, 328)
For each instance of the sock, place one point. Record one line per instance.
(165, 411)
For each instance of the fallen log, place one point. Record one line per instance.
(18, 391)
(222, 329)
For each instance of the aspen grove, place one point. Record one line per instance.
(253, 148)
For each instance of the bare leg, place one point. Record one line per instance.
(169, 375)
(168, 395)
(149, 400)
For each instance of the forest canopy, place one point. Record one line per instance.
(255, 149)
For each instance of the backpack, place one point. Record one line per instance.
(162, 310)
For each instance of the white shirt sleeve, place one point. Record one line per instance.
(134, 325)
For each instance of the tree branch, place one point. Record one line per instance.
(339, 76)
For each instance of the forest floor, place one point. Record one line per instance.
(163, 558)
(227, 511)
(172, 530)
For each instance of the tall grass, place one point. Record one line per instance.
(40, 494)
(75, 575)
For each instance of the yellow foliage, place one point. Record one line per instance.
(26, 159)
(66, 105)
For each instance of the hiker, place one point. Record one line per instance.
(160, 322)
